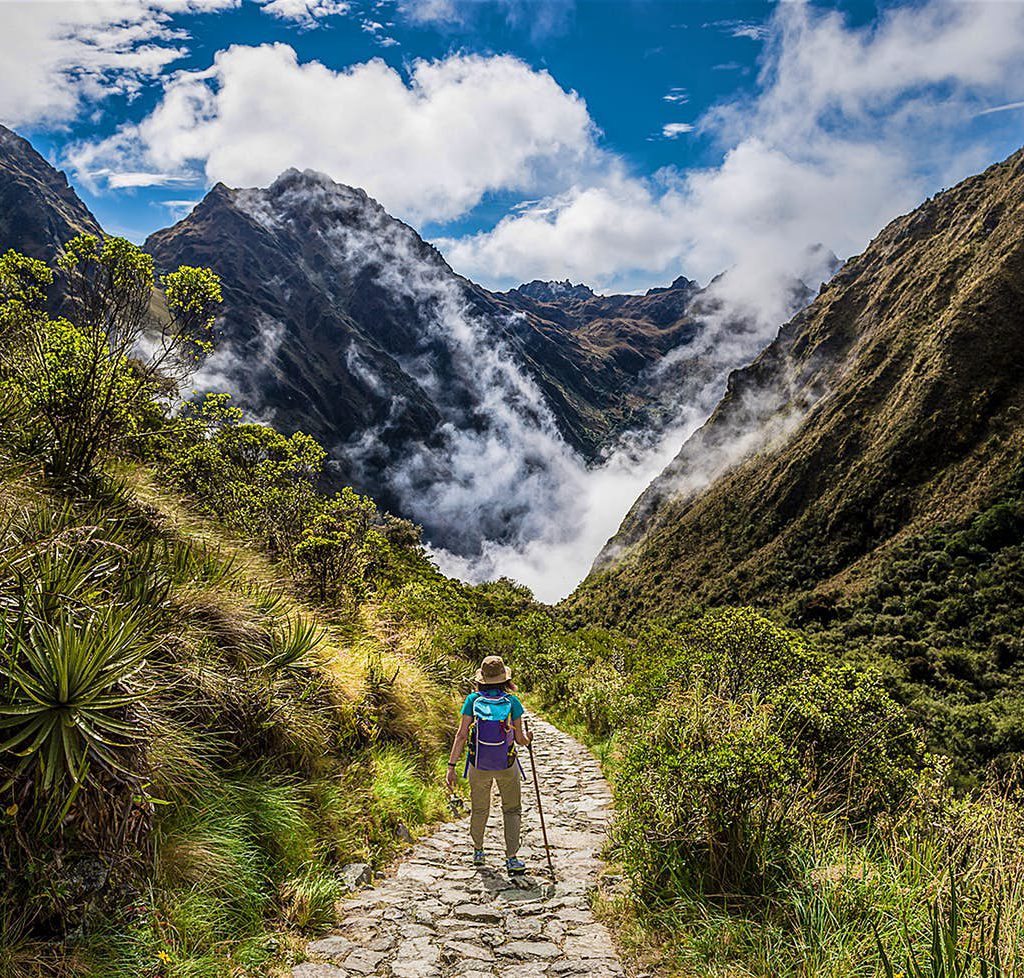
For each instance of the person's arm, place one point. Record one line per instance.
(461, 736)
(525, 739)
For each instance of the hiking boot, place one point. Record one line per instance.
(478, 857)
(515, 866)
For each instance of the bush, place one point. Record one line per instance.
(339, 545)
(708, 795)
(862, 753)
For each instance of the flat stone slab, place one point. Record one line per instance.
(364, 961)
(331, 947)
(479, 914)
(525, 950)
(316, 969)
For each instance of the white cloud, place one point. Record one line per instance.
(851, 127)
(129, 179)
(179, 208)
(306, 12)
(752, 30)
(673, 129)
(56, 57)
(676, 95)
(540, 17)
(428, 146)
(1006, 107)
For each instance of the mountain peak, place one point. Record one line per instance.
(294, 179)
(682, 282)
(553, 291)
(39, 211)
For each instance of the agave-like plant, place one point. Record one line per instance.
(294, 645)
(68, 686)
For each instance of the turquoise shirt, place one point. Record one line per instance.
(517, 707)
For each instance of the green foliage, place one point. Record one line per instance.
(266, 485)
(69, 686)
(708, 793)
(863, 753)
(182, 771)
(399, 790)
(946, 954)
(943, 619)
(248, 475)
(86, 381)
(339, 544)
(23, 285)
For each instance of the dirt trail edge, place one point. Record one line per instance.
(438, 916)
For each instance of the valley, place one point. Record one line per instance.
(516, 428)
(241, 465)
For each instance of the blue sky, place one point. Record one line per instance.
(620, 200)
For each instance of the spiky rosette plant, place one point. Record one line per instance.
(68, 688)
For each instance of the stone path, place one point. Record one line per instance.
(438, 916)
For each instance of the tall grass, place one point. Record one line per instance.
(252, 773)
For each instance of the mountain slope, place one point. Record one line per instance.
(366, 307)
(339, 320)
(38, 210)
(891, 403)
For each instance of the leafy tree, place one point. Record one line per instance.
(340, 544)
(86, 377)
(251, 476)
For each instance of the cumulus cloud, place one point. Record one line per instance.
(428, 145)
(56, 58)
(305, 12)
(852, 126)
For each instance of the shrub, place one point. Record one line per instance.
(86, 379)
(707, 794)
(250, 476)
(339, 545)
(861, 751)
(737, 651)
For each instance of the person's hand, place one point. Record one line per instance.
(450, 778)
(529, 737)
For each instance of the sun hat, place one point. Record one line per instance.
(493, 670)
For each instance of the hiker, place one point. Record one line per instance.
(492, 725)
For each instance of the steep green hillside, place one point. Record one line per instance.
(203, 716)
(863, 478)
(891, 404)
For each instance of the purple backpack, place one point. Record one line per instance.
(492, 740)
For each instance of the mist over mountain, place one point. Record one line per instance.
(516, 427)
(890, 405)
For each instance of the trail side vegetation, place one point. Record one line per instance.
(220, 685)
(780, 811)
(202, 719)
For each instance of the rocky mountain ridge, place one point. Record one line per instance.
(39, 210)
(466, 410)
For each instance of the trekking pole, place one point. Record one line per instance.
(540, 810)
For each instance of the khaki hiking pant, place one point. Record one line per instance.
(509, 784)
